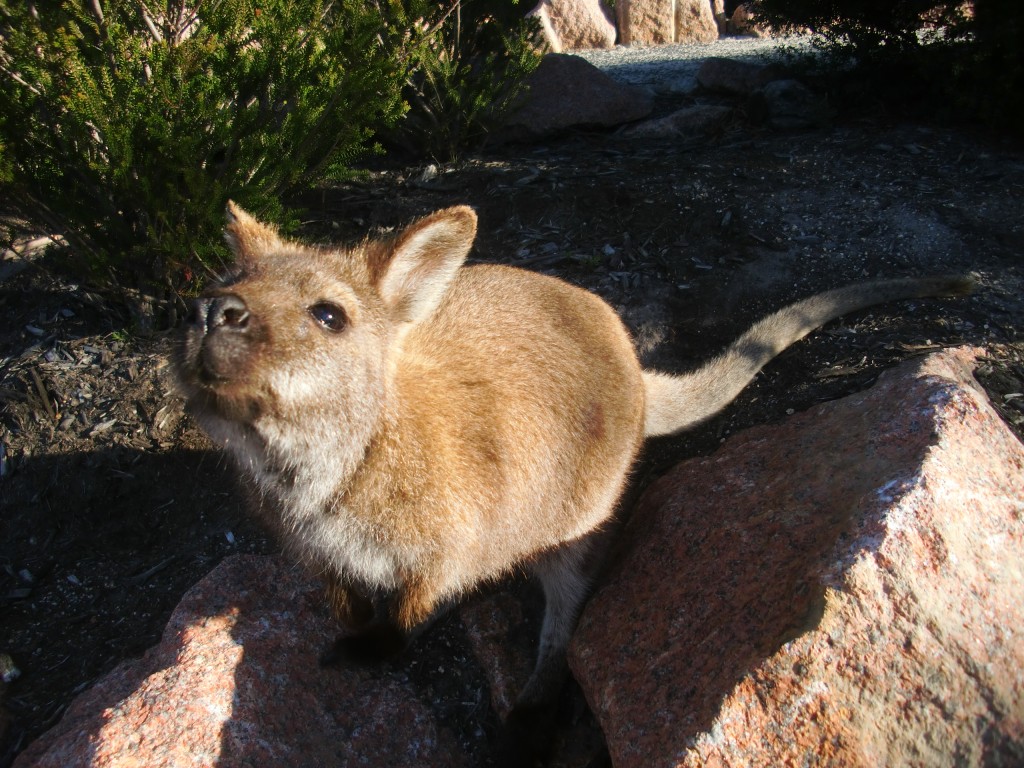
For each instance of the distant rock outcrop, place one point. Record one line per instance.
(655, 22)
(572, 25)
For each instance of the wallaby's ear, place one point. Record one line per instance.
(247, 237)
(423, 260)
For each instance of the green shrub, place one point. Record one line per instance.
(126, 125)
(467, 74)
(865, 26)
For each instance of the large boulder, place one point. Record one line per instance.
(571, 25)
(841, 589)
(569, 92)
(235, 681)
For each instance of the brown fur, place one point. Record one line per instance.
(456, 422)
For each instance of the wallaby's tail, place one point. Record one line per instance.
(676, 402)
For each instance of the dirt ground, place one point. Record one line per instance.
(113, 503)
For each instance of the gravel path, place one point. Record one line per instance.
(672, 68)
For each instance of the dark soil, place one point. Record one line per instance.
(113, 503)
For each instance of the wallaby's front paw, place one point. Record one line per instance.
(373, 646)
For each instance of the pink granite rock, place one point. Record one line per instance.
(841, 589)
(571, 25)
(567, 91)
(235, 681)
(506, 655)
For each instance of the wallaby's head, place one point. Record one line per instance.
(295, 341)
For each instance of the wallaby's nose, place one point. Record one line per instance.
(219, 338)
(226, 312)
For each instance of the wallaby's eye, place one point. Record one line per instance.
(330, 316)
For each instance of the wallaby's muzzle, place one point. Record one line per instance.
(219, 338)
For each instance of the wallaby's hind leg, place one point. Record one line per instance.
(565, 574)
(565, 587)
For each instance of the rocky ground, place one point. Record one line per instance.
(113, 503)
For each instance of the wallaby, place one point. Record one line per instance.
(414, 427)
